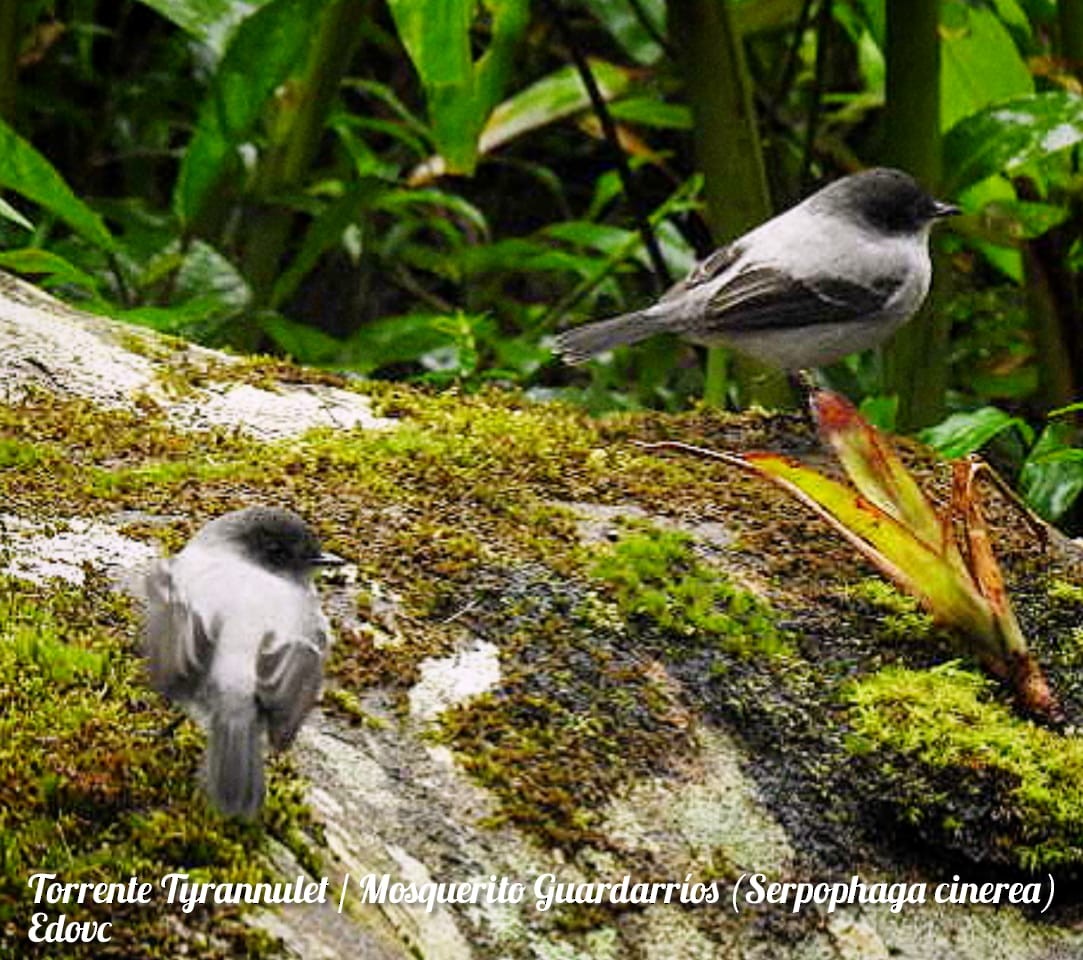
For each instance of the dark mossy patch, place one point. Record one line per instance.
(577, 716)
(962, 767)
(902, 619)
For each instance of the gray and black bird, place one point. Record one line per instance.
(838, 273)
(235, 635)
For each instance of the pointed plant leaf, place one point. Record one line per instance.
(913, 564)
(8, 212)
(874, 467)
(1014, 662)
(964, 433)
(1010, 133)
(559, 95)
(27, 172)
(209, 21)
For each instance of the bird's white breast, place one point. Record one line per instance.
(244, 604)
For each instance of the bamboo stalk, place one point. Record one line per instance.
(284, 165)
(729, 153)
(915, 362)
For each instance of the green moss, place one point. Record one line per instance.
(89, 790)
(348, 704)
(939, 737)
(1064, 591)
(20, 455)
(464, 515)
(902, 616)
(656, 574)
(573, 721)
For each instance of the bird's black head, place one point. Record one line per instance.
(884, 199)
(276, 539)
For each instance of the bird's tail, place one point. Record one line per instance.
(582, 343)
(235, 757)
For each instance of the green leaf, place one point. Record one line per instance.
(1052, 476)
(460, 93)
(651, 112)
(204, 273)
(45, 264)
(979, 62)
(559, 95)
(1010, 134)
(266, 49)
(1070, 408)
(28, 173)
(209, 21)
(620, 19)
(8, 212)
(302, 342)
(964, 433)
(395, 340)
(179, 320)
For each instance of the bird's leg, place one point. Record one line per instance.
(803, 383)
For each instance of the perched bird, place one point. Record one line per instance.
(235, 634)
(838, 273)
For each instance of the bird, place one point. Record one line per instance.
(835, 274)
(235, 634)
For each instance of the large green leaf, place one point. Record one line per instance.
(460, 93)
(1009, 134)
(301, 342)
(979, 63)
(555, 97)
(48, 269)
(267, 47)
(395, 340)
(27, 172)
(965, 433)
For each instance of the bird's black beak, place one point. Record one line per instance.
(326, 559)
(941, 209)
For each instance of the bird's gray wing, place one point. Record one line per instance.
(178, 645)
(288, 679)
(707, 269)
(763, 298)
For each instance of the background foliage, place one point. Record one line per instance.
(428, 189)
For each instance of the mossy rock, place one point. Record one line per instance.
(634, 601)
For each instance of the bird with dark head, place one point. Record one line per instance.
(838, 273)
(235, 634)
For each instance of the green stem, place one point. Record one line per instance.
(662, 278)
(1070, 15)
(1056, 381)
(9, 58)
(915, 362)
(728, 151)
(300, 124)
(715, 382)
